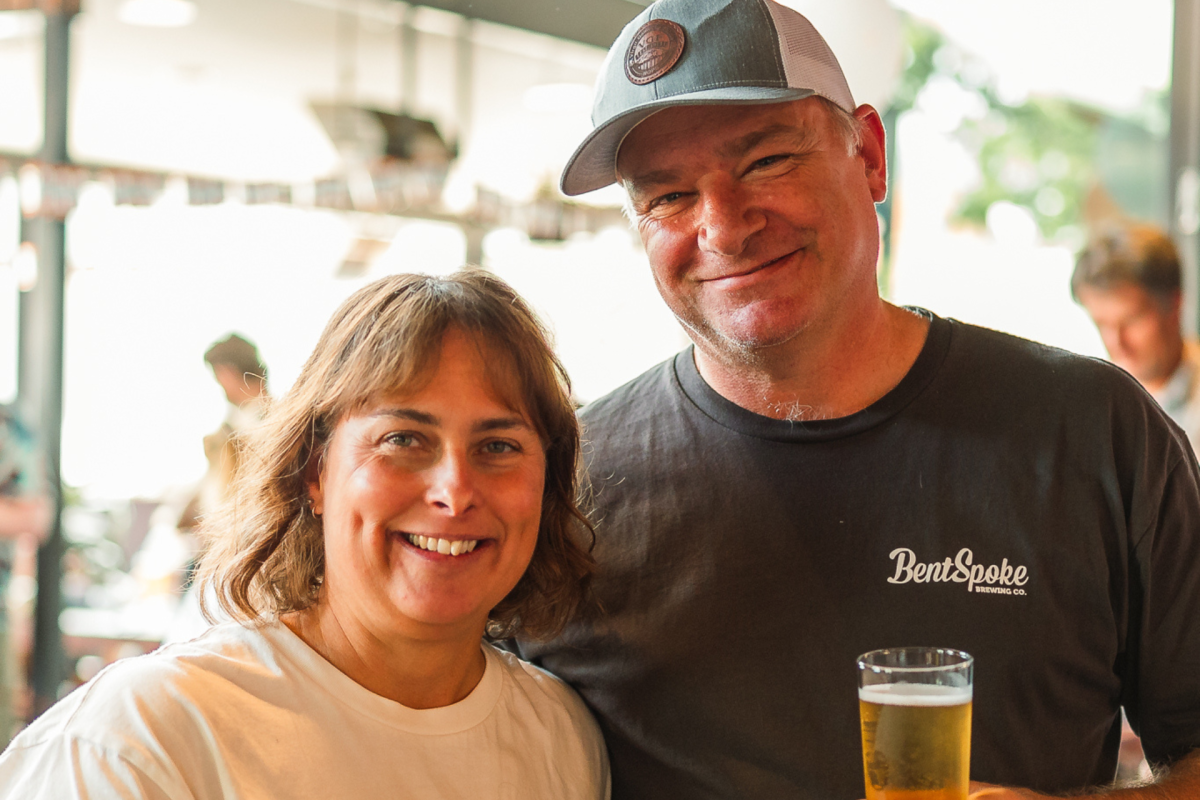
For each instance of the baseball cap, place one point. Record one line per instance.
(701, 52)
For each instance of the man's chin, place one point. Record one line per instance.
(745, 346)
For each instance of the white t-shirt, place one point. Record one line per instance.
(255, 713)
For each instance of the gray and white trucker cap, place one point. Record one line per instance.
(700, 52)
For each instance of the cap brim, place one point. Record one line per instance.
(593, 165)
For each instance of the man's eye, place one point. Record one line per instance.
(769, 161)
(665, 199)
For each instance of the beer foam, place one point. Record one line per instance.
(915, 694)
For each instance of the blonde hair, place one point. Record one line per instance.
(266, 552)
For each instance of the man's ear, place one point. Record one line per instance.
(314, 474)
(1175, 302)
(873, 150)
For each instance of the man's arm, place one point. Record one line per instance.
(24, 515)
(1180, 782)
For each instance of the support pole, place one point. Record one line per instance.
(40, 364)
(1184, 183)
(409, 43)
(464, 81)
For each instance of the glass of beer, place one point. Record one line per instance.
(915, 706)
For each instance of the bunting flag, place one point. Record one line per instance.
(203, 192)
(391, 186)
(45, 6)
(134, 188)
(49, 190)
(263, 193)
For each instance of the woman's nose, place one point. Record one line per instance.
(451, 486)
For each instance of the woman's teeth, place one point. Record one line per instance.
(443, 546)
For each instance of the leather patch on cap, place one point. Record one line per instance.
(655, 49)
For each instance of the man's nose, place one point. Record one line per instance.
(728, 218)
(1119, 343)
(451, 487)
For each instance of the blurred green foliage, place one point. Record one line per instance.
(1042, 153)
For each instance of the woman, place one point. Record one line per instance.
(413, 490)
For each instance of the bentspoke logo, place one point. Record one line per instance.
(1002, 578)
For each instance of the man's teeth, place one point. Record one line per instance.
(443, 546)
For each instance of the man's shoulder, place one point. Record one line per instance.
(641, 395)
(1006, 356)
(1001, 379)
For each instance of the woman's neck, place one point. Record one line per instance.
(417, 673)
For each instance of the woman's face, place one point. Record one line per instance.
(430, 502)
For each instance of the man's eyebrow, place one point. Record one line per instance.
(792, 135)
(643, 183)
(423, 418)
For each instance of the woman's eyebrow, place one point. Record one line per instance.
(407, 413)
(501, 424)
(423, 418)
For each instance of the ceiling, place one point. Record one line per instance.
(594, 22)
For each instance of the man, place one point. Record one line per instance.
(24, 514)
(238, 369)
(1128, 279)
(823, 474)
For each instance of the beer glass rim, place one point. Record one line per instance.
(964, 660)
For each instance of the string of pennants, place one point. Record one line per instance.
(391, 187)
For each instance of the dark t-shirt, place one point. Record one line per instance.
(746, 562)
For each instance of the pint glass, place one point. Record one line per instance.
(915, 706)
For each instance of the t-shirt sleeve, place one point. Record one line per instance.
(1162, 698)
(595, 753)
(67, 768)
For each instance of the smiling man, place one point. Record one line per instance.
(823, 473)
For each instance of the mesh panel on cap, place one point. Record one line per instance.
(807, 59)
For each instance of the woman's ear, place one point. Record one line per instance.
(314, 480)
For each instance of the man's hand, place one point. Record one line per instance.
(1181, 782)
(987, 791)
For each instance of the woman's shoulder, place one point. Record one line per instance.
(547, 714)
(133, 722)
(529, 675)
(160, 690)
(543, 691)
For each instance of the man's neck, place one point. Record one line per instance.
(825, 374)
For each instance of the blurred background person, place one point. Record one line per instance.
(242, 376)
(24, 513)
(414, 490)
(1128, 279)
(238, 369)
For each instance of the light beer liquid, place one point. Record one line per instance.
(916, 741)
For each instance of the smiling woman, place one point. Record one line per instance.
(412, 492)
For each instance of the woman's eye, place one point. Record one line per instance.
(496, 448)
(401, 439)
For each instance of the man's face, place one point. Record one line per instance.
(756, 219)
(1140, 331)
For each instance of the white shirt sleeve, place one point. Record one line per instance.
(66, 768)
